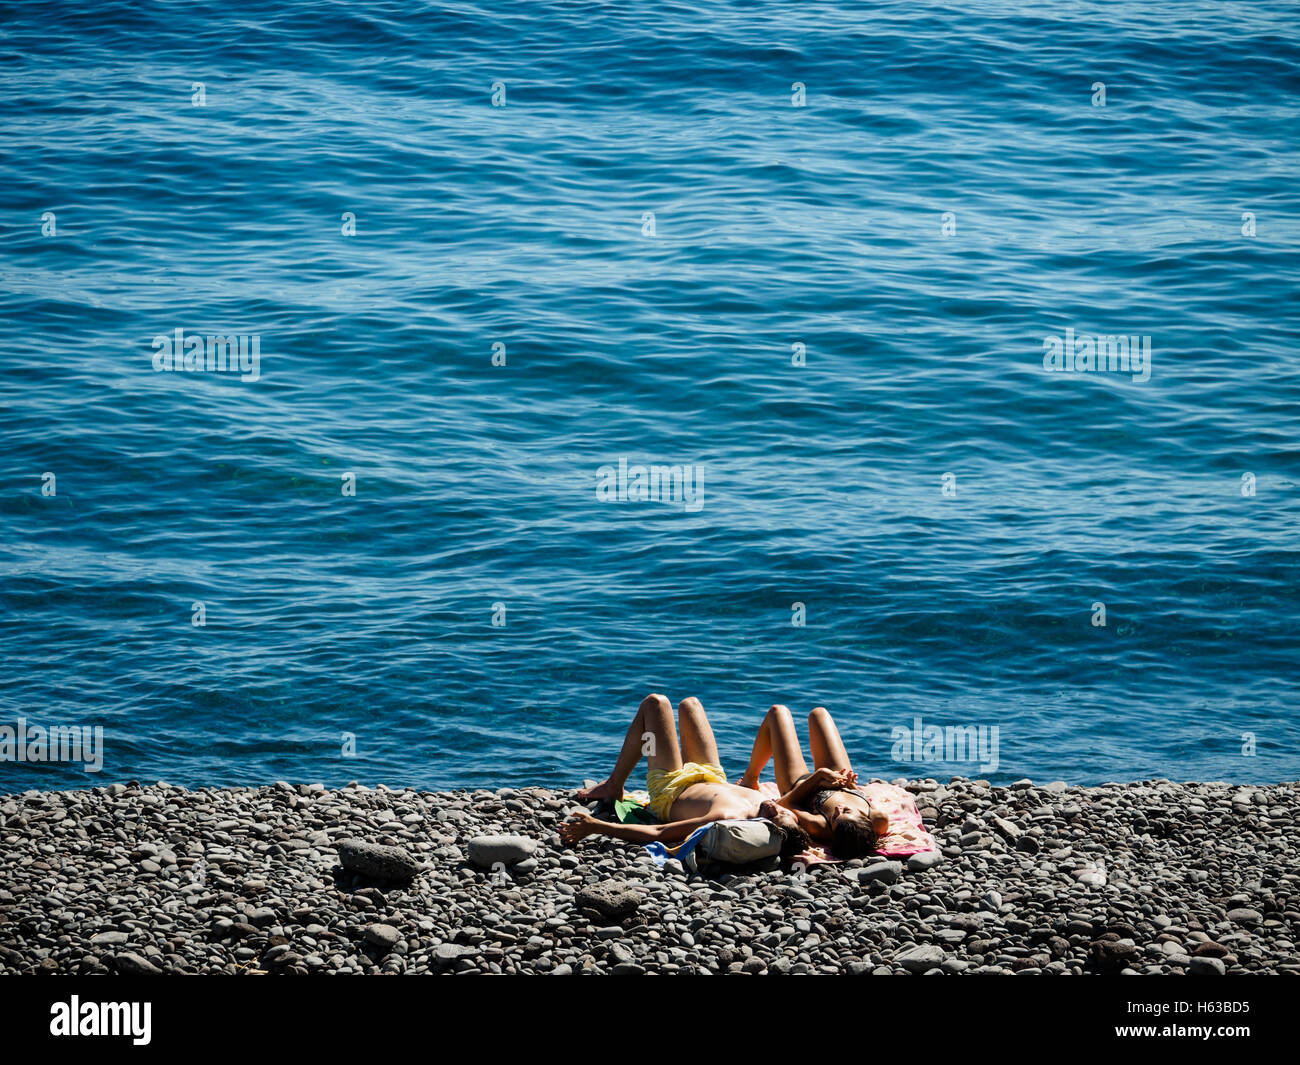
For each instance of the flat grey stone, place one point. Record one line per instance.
(384, 936)
(919, 863)
(487, 851)
(920, 959)
(1006, 828)
(885, 872)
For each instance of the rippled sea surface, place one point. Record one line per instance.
(835, 306)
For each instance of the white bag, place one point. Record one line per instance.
(736, 843)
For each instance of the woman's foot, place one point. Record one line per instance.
(747, 782)
(604, 790)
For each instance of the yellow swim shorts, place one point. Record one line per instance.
(665, 785)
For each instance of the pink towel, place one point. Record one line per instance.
(906, 835)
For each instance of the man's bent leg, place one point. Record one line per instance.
(652, 734)
(698, 744)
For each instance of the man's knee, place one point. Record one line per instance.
(654, 703)
(690, 705)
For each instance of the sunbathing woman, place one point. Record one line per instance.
(824, 800)
(687, 785)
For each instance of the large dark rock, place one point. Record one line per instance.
(134, 965)
(1110, 955)
(376, 861)
(610, 902)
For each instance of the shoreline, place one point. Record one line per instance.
(1146, 877)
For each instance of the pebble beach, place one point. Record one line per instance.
(1141, 878)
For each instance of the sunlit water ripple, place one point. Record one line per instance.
(775, 226)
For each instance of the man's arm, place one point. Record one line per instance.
(583, 824)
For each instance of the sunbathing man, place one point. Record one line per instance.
(688, 788)
(824, 800)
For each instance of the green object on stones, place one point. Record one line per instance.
(629, 811)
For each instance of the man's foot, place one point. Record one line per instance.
(582, 826)
(604, 790)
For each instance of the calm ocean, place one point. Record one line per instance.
(815, 254)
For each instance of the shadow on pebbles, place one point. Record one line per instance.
(1154, 877)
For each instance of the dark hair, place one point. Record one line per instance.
(852, 837)
(793, 841)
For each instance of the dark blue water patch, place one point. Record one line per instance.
(801, 327)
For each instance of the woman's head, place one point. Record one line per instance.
(849, 817)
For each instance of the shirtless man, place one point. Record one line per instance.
(687, 785)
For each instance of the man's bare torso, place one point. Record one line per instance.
(719, 801)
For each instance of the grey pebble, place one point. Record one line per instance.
(1145, 877)
(919, 863)
(487, 851)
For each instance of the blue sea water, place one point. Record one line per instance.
(950, 193)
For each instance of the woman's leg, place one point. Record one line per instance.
(829, 753)
(776, 741)
(698, 744)
(651, 734)
(827, 748)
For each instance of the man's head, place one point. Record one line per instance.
(794, 840)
